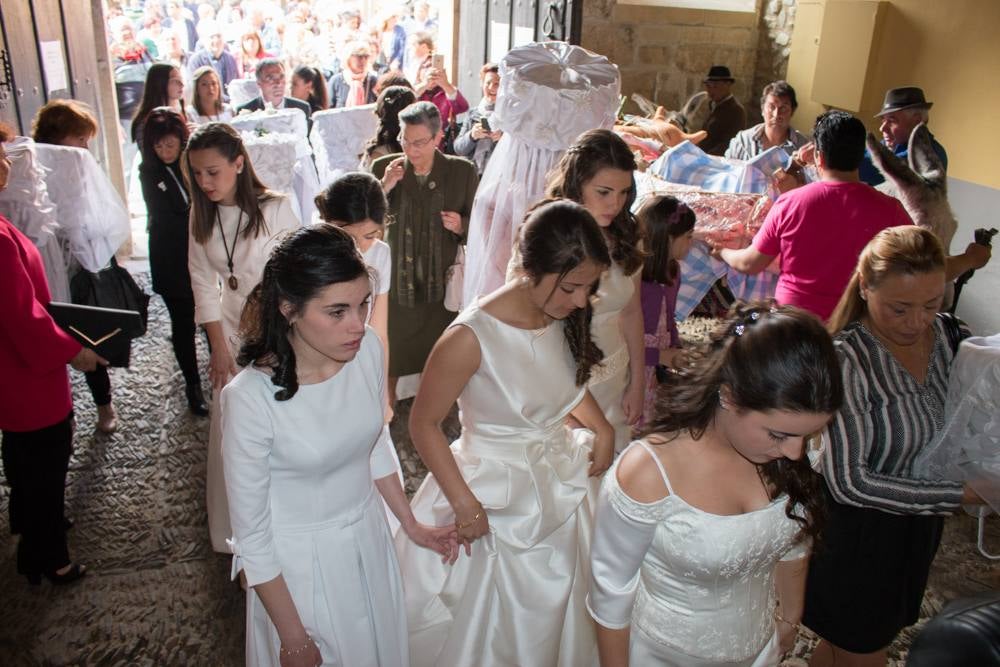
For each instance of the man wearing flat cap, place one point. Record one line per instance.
(727, 115)
(902, 110)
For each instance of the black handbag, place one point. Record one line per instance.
(107, 331)
(111, 287)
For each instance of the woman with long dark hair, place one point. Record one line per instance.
(390, 102)
(515, 483)
(307, 455)
(309, 86)
(168, 205)
(596, 171)
(703, 528)
(235, 222)
(164, 88)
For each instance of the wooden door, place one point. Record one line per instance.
(19, 35)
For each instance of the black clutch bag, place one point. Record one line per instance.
(107, 331)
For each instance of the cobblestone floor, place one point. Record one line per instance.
(156, 593)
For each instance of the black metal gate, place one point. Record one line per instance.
(489, 28)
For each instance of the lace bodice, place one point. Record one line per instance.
(697, 582)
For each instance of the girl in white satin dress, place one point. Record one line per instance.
(307, 455)
(235, 222)
(596, 171)
(515, 482)
(702, 529)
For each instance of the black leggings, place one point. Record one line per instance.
(35, 464)
(182, 330)
(100, 385)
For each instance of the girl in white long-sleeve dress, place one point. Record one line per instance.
(235, 222)
(515, 481)
(596, 171)
(306, 456)
(703, 527)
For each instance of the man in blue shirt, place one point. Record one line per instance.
(902, 110)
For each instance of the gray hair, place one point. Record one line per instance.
(267, 63)
(422, 113)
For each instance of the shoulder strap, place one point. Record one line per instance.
(656, 460)
(952, 330)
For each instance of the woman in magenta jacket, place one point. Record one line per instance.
(36, 406)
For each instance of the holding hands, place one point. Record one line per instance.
(471, 523)
(441, 539)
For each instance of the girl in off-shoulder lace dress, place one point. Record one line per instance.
(596, 171)
(516, 481)
(703, 523)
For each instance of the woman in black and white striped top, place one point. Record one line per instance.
(885, 523)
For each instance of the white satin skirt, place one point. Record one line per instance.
(519, 599)
(644, 651)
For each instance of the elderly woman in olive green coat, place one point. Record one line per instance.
(430, 198)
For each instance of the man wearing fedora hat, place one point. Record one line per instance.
(902, 110)
(727, 115)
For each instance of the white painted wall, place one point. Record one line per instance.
(977, 206)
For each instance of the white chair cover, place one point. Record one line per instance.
(25, 202)
(549, 94)
(338, 138)
(88, 207)
(292, 124)
(273, 158)
(241, 91)
(968, 447)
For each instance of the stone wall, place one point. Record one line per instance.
(665, 52)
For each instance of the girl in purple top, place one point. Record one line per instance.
(669, 226)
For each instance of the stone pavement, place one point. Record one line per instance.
(156, 593)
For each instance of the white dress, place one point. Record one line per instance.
(214, 301)
(379, 257)
(303, 504)
(697, 589)
(609, 380)
(519, 599)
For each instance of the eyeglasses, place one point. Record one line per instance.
(273, 78)
(419, 143)
(361, 56)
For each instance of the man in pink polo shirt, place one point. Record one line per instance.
(820, 229)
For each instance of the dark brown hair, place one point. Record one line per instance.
(390, 102)
(592, 151)
(769, 358)
(154, 94)
(351, 198)
(556, 237)
(305, 262)
(663, 219)
(250, 192)
(59, 119)
(162, 122)
(319, 99)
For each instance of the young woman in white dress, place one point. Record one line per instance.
(516, 480)
(235, 222)
(703, 528)
(596, 171)
(306, 458)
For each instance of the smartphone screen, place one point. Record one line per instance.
(437, 61)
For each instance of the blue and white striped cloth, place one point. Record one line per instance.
(687, 164)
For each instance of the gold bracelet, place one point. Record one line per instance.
(296, 651)
(477, 517)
